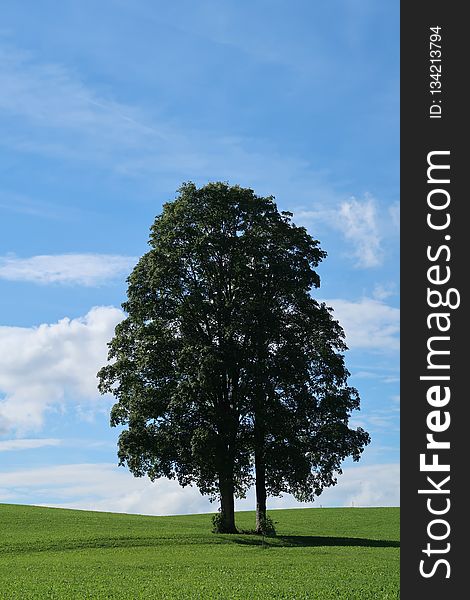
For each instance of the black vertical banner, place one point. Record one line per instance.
(434, 309)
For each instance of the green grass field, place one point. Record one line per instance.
(322, 553)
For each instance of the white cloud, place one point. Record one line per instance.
(360, 224)
(52, 366)
(82, 269)
(102, 487)
(369, 324)
(110, 488)
(28, 444)
(383, 291)
(44, 368)
(371, 485)
(394, 212)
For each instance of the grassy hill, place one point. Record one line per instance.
(328, 553)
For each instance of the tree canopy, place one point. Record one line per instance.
(226, 370)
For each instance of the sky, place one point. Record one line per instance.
(106, 108)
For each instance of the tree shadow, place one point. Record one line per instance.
(314, 541)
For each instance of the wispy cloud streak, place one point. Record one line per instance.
(27, 444)
(81, 269)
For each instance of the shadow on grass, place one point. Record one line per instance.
(243, 538)
(314, 541)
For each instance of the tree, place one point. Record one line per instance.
(301, 434)
(224, 361)
(299, 402)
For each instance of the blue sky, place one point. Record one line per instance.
(105, 109)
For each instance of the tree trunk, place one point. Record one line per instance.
(227, 506)
(260, 491)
